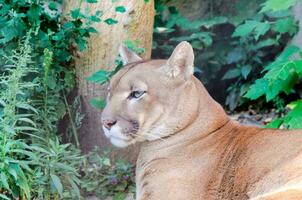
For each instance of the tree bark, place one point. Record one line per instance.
(136, 24)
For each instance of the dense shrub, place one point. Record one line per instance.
(232, 48)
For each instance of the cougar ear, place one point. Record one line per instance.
(127, 55)
(181, 62)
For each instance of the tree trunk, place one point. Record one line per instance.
(136, 24)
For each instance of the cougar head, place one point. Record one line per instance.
(149, 100)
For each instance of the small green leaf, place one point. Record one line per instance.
(245, 29)
(75, 13)
(91, 1)
(4, 181)
(120, 9)
(245, 71)
(92, 30)
(52, 6)
(99, 77)
(276, 123)
(110, 21)
(293, 119)
(119, 196)
(98, 103)
(258, 89)
(235, 55)
(277, 5)
(230, 74)
(286, 25)
(261, 29)
(68, 25)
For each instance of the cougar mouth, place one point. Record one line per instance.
(122, 136)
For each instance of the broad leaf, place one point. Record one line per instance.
(233, 73)
(245, 29)
(277, 5)
(98, 103)
(99, 77)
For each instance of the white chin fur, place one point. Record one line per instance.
(116, 137)
(118, 142)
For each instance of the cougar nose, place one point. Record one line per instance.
(109, 123)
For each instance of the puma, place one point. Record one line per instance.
(191, 150)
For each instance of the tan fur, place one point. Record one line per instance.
(201, 153)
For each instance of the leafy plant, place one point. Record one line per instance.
(280, 77)
(15, 154)
(34, 82)
(226, 48)
(115, 179)
(251, 51)
(283, 74)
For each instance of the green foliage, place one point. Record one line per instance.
(35, 79)
(280, 77)
(29, 158)
(37, 48)
(277, 5)
(232, 50)
(115, 179)
(15, 154)
(98, 103)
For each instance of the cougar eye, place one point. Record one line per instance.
(136, 94)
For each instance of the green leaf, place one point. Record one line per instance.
(98, 103)
(68, 25)
(258, 89)
(245, 71)
(92, 30)
(230, 74)
(235, 55)
(286, 25)
(281, 71)
(74, 187)
(99, 77)
(120, 9)
(277, 5)
(119, 196)
(264, 43)
(4, 197)
(4, 181)
(21, 181)
(276, 123)
(261, 29)
(82, 44)
(293, 119)
(56, 182)
(52, 5)
(276, 86)
(288, 52)
(110, 21)
(245, 29)
(91, 1)
(75, 13)
(34, 13)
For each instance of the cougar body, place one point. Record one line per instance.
(191, 150)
